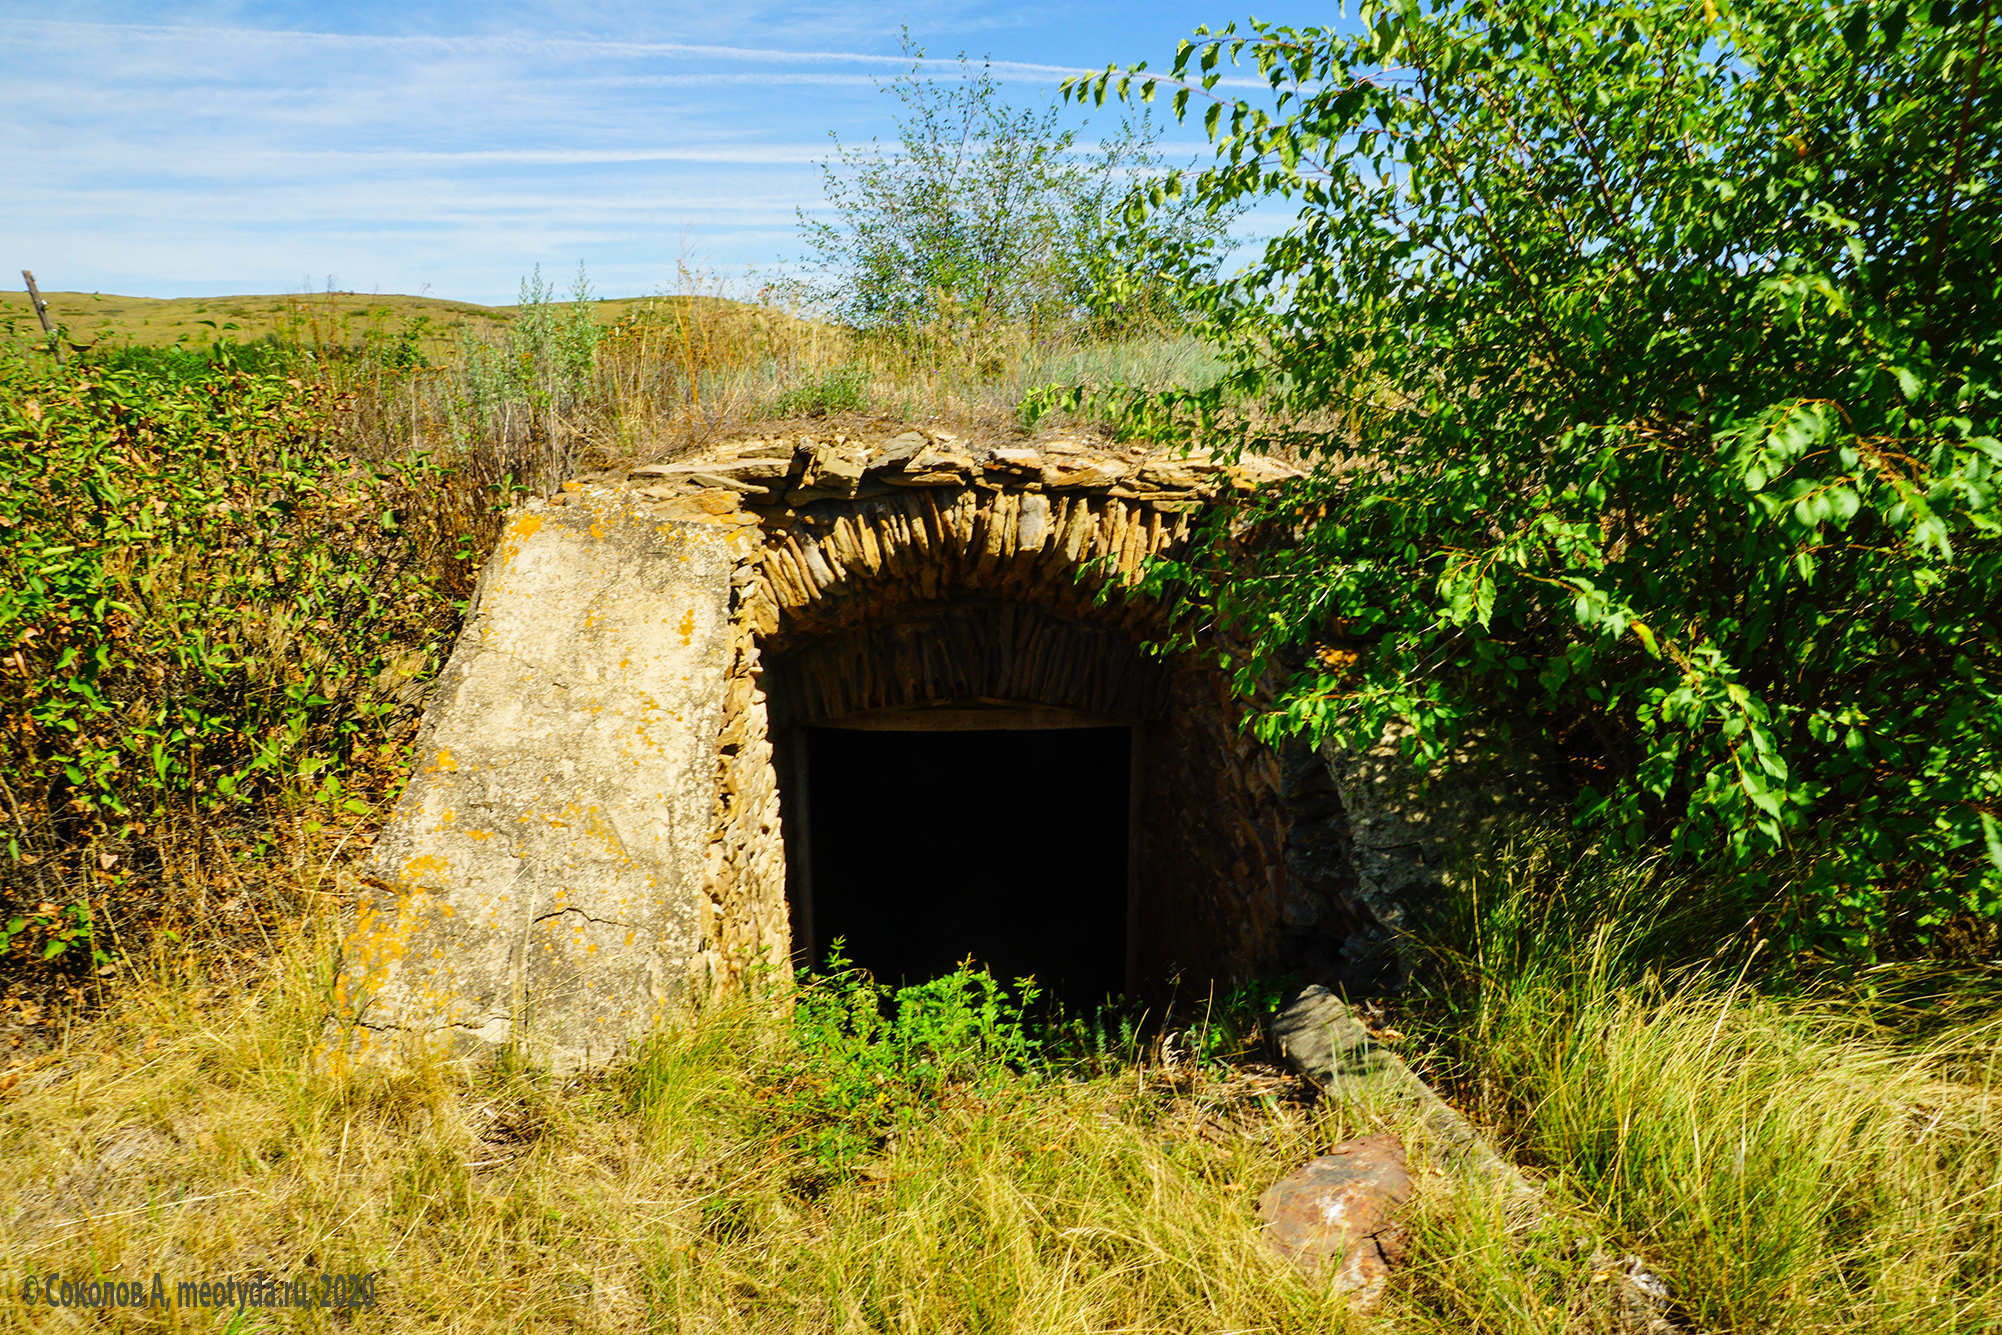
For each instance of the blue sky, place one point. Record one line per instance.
(172, 150)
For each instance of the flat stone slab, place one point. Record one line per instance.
(1340, 1211)
(539, 880)
(1323, 1041)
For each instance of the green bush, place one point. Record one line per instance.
(869, 1058)
(542, 363)
(206, 603)
(1647, 361)
(181, 364)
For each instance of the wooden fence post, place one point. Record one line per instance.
(42, 311)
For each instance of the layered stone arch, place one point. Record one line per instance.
(928, 595)
(945, 599)
(836, 563)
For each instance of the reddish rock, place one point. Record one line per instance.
(1340, 1211)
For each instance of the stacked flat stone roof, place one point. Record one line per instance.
(791, 471)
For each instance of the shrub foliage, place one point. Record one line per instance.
(206, 604)
(1647, 360)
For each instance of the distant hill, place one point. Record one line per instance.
(309, 318)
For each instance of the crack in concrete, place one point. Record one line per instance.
(602, 922)
(379, 1027)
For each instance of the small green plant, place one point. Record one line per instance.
(1230, 1026)
(55, 929)
(186, 365)
(403, 350)
(839, 389)
(870, 1058)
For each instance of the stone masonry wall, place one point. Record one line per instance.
(1213, 839)
(916, 569)
(745, 933)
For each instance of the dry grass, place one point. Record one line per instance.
(1785, 1165)
(193, 1134)
(679, 372)
(1815, 1163)
(1824, 1157)
(313, 319)
(671, 371)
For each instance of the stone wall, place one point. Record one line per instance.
(744, 935)
(1213, 835)
(599, 831)
(1328, 933)
(1410, 828)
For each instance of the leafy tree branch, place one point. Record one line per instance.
(1647, 362)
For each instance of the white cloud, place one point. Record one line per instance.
(529, 46)
(151, 156)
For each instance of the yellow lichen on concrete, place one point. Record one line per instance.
(379, 941)
(426, 864)
(587, 673)
(515, 534)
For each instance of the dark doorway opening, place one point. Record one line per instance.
(924, 848)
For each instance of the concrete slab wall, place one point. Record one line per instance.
(542, 878)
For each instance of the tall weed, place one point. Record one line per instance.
(1802, 1154)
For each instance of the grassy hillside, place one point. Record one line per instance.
(93, 318)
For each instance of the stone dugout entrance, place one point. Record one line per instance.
(705, 718)
(1054, 901)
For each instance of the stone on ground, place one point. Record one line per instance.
(1340, 1211)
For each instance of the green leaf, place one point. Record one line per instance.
(1505, 326)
